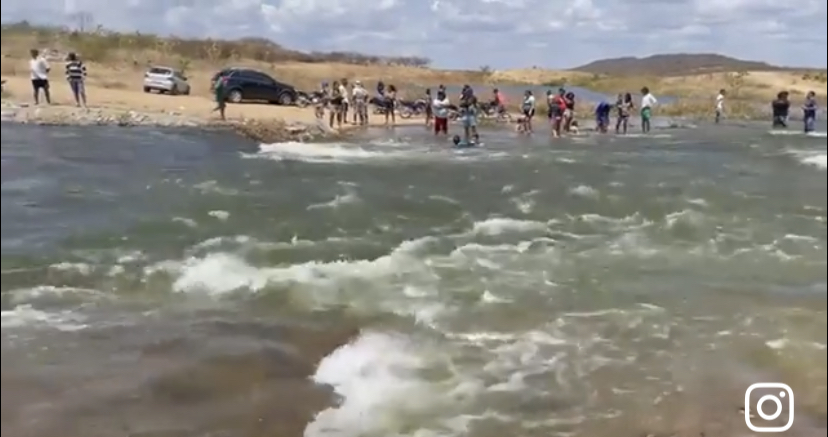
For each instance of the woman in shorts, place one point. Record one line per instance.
(528, 108)
(624, 106)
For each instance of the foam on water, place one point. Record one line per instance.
(643, 135)
(380, 378)
(818, 160)
(27, 316)
(504, 318)
(813, 158)
(793, 132)
(377, 150)
(318, 152)
(452, 373)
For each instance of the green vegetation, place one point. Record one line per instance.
(101, 45)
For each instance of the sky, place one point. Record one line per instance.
(474, 33)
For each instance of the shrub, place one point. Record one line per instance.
(100, 44)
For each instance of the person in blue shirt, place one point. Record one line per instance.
(602, 116)
(809, 112)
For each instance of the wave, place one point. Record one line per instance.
(318, 152)
(816, 159)
(799, 133)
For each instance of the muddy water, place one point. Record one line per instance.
(169, 283)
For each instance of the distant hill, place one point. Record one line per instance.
(674, 65)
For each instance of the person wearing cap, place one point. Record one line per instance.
(360, 99)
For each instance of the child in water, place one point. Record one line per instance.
(475, 140)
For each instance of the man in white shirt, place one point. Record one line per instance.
(360, 100)
(648, 102)
(720, 102)
(343, 91)
(440, 107)
(39, 72)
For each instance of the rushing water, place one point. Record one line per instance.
(170, 283)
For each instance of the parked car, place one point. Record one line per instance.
(165, 80)
(222, 73)
(251, 85)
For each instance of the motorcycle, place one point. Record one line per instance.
(408, 109)
(304, 99)
(405, 108)
(492, 110)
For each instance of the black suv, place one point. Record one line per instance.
(251, 85)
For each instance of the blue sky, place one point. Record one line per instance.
(472, 33)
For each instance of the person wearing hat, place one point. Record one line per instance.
(360, 100)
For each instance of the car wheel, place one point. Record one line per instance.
(147, 89)
(285, 99)
(235, 96)
(174, 90)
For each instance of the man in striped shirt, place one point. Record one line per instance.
(76, 76)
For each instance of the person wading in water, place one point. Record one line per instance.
(557, 108)
(648, 102)
(624, 106)
(780, 108)
(468, 114)
(569, 111)
(809, 112)
(429, 111)
(528, 108)
(390, 100)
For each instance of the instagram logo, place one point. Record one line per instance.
(778, 395)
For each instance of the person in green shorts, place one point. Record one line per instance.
(221, 98)
(648, 101)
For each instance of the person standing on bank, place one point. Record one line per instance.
(220, 94)
(39, 68)
(76, 76)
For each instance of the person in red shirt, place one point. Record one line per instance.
(557, 109)
(499, 102)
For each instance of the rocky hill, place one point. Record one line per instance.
(674, 65)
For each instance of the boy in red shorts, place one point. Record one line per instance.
(440, 108)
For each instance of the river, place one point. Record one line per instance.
(178, 283)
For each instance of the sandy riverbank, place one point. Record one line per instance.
(133, 107)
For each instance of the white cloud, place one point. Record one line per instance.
(469, 33)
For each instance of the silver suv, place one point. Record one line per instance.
(165, 80)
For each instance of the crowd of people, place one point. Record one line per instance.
(559, 109)
(347, 102)
(343, 98)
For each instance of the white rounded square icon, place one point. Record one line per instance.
(770, 406)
